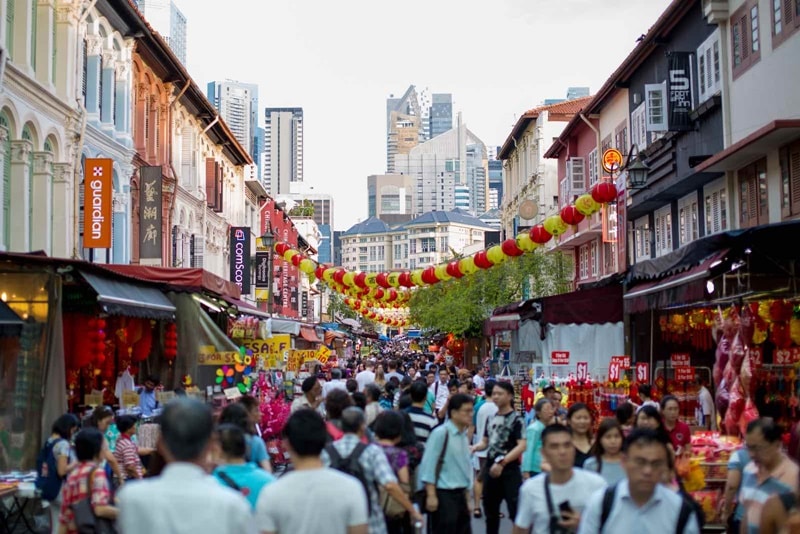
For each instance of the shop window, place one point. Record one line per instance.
(10, 26)
(688, 222)
(785, 20)
(709, 77)
(790, 180)
(639, 127)
(753, 209)
(656, 101)
(583, 262)
(663, 230)
(642, 238)
(593, 259)
(621, 137)
(594, 167)
(716, 207)
(745, 42)
(6, 183)
(576, 173)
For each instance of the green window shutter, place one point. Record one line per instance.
(53, 73)
(26, 134)
(34, 24)
(10, 25)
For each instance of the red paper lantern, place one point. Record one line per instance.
(604, 192)
(360, 280)
(481, 261)
(571, 215)
(281, 248)
(319, 270)
(392, 296)
(405, 279)
(540, 235)
(382, 281)
(297, 258)
(378, 293)
(338, 276)
(454, 270)
(510, 248)
(429, 275)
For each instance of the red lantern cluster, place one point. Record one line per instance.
(170, 342)
(97, 340)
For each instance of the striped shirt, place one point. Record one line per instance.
(127, 455)
(758, 486)
(423, 423)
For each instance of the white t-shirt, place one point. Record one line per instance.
(364, 378)
(705, 408)
(532, 508)
(479, 382)
(280, 504)
(487, 410)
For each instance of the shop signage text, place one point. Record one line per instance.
(150, 212)
(559, 357)
(787, 356)
(684, 373)
(614, 371)
(97, 210)
(642, 372)
(240, 257)
(623, 361)
(583, 371)
(216, 358)
(679, 89)
(678, 359)
(274, 351)
(756, 357)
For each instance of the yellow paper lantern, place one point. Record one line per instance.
(393, 279)
(289, 254)
(555, 225)
(586, 205)
(307, 266)
(327, 275)
(441, 272)
(525, 243)
(416, 277)
(496, 255)
(467, 265)
(349, 279)
(371, 280)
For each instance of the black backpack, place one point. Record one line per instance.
(683, 517)
(47, 480)
(350, 465)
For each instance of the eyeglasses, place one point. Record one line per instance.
(655, 465)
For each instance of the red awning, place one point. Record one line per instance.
(309, 334)
(179, 279)
(597, 305)
(501, 323)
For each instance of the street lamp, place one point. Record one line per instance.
(637, 169)
(267, 240)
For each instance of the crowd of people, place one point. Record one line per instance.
(389, 444)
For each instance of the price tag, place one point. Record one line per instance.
(583, 371)
(623, 361)
(643, 372)
(680, 359)
(786, 356)
(684, 373)
(232, 393)
(93, 399)
(559, 357)
(130, 398)
(164, 396)
(756, 357)
(613, 371)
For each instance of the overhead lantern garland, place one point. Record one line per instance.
(391, 290)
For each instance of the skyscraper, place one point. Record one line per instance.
(440, 116)
(403, 125)
(237, 104)
(165, 17)
(390, 197)
(282, 159)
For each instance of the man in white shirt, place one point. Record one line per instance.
(705, 413)
(554, 500)
(640, 503)
(439, 389)
(485, 414)
(479, 379)
(311, 498)
(367, 376)
(184, 499)
(335, 383)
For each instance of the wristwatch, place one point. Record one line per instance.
(499, 459)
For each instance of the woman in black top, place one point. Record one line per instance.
(579, 419)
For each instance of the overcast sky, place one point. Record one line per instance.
(340, 60)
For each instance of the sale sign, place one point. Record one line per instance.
(642, 372)
(679, 359)
(614, 371)
(756, 357)
(623, 361)
(559, 357)
(684, 373)
(583, 371)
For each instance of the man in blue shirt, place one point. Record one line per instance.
(233, 470)
(446, 469)
(147, 395)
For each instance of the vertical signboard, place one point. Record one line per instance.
(240, 257)
(150, 213)
(97, 212)
(304, 304)
(679, 91)
(262, 275)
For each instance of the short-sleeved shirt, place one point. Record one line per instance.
(504, 431)
(127, 455)
(249, 478)
(398, 458)
(257, 449)
(612, 472)
(680, 436)
(333, 502)
(76, 488)
(533, 510)
(737, 462)
(424, 423)
(757, 488)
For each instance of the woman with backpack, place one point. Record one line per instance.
(56, 460)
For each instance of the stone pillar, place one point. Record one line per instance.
(20, 195)
(3, 218)
(63, 199)
(22, 53)
(122, 99)
(109, 89)
(120, 251)
(94, 48)
(66, 61)
(45, 42)
(42, 231)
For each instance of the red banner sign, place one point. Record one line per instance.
(684, 373)
(583, 371)
(680, 359)
(559, 357)
(623, 361)
(786, 356)
(642, 372)
(614, 371)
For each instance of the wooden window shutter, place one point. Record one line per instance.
(787, 14)
(794, 177)
(744, 33)
(218, 203)
(211, 182)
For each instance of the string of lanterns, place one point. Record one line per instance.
(372, 293)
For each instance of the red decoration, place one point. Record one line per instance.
(429, 275)
(297, 258)
(571, 215)
(392, 295)
(481, 261)
(604, 192)
(540, 235)
(382, 281)
(338, 276)
(454, 270)
(510, 248)
(405, 279)
(318, 271)
(281, 248)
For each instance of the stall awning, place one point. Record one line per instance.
(331, 335)
(309, 334)
(681, 288)
(284, 326)
(123, 298)
(501, 323)
(192, 280)
(10, 322)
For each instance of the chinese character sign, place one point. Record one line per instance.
(679, 86)
(150, 235)
(97, 212)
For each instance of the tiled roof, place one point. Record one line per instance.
(373, 225)
(455, 217)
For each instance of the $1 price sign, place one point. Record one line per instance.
(583, 371)
(642, 372)
(613, 371)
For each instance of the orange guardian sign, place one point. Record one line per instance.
(97, 185)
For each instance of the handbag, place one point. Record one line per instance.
(392, 507)
(85, 519)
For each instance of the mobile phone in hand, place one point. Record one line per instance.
(565, 507)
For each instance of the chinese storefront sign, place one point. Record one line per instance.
(97, 212)
(150, 235)
(240, 258)
(559, 357)
(262, 276)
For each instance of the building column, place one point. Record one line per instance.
(23, 28)
(120, 252)
(67, 50)
(108, 76)
(42, 231)
(45, 42)
(63, 191)
(3, 140)
(122, 99)
(20, 195)
(93, 51)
